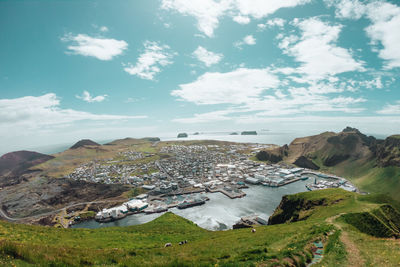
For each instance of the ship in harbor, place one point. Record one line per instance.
(191, 203)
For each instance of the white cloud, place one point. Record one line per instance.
(209, 12)
(207, 57)
(212, 116)
(103, 29)
(32, 112)
(261, 26)
(235, 87)
(90, 99)
(100, 48)
(247, 40)
(271, 23)
(133, 99)
(276, 22)
(317, 51)
(348, 9)
(260, 93)
(384, 30)
(261, 8)
(241, 19)
(390, 109)
(151, 60)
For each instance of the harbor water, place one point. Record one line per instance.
(220, 212)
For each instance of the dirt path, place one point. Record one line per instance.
(354, 258)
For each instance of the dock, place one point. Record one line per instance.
(231, 194)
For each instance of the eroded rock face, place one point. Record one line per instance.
(290, 209)
(268, 156)
(273, 155)
(388, 152)
(304, 162)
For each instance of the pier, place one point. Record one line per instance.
(231, 194)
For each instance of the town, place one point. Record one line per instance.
(180, 174)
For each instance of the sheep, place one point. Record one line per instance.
(253, 230)
(168, 245)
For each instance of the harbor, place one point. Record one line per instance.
(220, 212)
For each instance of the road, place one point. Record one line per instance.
(8, 218)
(161, 168)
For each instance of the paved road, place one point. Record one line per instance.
(161, 168)
(8, 218)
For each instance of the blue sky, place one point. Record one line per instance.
(110, 69)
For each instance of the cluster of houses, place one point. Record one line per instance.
(190, 169)
(122, 170)
(119, 212)
(331, 183)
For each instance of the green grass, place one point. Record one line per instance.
(87, 214)
(143, 245)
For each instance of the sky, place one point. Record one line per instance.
(111, 69)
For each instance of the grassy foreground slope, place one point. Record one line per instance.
(287, 244)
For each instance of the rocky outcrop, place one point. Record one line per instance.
(304, 162)
(291, 209)
(388, 152)
(273, 155)
(182, 135)
(249, 133)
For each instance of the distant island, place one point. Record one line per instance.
(152, 139)
(182, 135)
(249, 133)
(234, 133)
(196, 133)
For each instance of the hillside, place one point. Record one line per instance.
(287, 244)
(84, 142)
(372, 164)
(15, 163)
(45, 190)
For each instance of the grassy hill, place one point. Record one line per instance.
(371, 164)
(283, 244)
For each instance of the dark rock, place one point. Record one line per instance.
(249, 133)
(268, 156)
(182, 135)
(335, 159)
(304, 162)
(388, 152)
(290, 208)
(84, 142)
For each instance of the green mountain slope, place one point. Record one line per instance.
(281, 244)
(371, 164)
